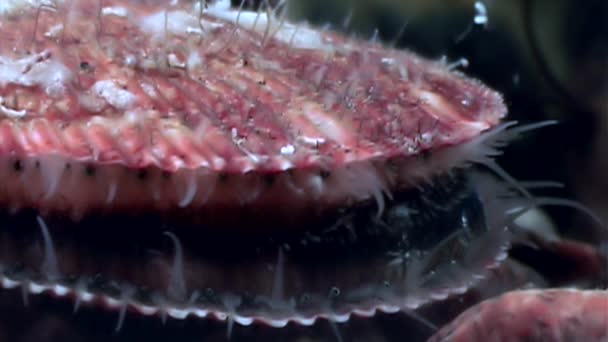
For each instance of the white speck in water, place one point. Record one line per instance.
(516, 79)
(481, 14)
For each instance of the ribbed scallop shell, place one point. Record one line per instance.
(146, 83)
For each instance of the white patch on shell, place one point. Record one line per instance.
(149, 89)
(299, 36)
(288, 150)
(178, 23)
(113, 94)
(36, 70)
(388, 61)
(312, 141)
(10, 7)
(220, 5)
(130, 60)
(327, 125)
(442, 110)
(54, 31)
(194, 60)
(9, 112)
(115, 10)
(175, 62)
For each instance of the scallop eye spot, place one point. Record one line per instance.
(142, 175)
(223, 178)
(90, 170)
(17, 165)
(269, 180)
(86, 66)
(325, 174)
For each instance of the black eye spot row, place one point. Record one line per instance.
(18, 165)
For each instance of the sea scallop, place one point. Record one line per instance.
(181, 160)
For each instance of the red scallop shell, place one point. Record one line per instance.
(192, 100)
(538, 315)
